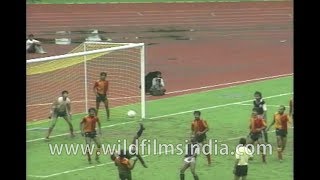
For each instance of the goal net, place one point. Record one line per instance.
(77, 72)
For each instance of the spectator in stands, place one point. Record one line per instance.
(33, 45)
(157, 88)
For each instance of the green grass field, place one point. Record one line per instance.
(227, 111)
(127, 1)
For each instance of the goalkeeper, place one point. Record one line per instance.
(61, 107)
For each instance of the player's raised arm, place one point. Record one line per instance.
(289, 120)
(291, 108)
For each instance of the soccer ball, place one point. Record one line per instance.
(131, 113)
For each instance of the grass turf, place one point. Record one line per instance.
(169, 122)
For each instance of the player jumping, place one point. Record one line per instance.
(132, 152)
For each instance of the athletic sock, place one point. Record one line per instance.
(181, 176)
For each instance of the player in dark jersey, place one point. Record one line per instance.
(261, 108)
(190, 159)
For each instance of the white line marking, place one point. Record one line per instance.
(90, 167)
(167, 115)
(37, 128)
(231, 83)
(195, 89)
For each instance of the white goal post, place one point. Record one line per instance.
(77, 72)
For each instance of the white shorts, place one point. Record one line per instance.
(189, 159)
(132, 148)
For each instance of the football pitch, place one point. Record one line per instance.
(227, 111)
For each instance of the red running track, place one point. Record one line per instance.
(219, 42)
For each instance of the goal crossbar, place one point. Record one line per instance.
(59, 57)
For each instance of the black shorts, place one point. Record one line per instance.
(92, 134)
(241, 170)
(101, 98)
(60, 114)
(255, 136)
(201, 138)
(281, 132)
(125, 175)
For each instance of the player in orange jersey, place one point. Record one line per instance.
(88, 130)
(280, 120)
(199, 128)
(257, 127)
(124, 166)
(100, 90)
